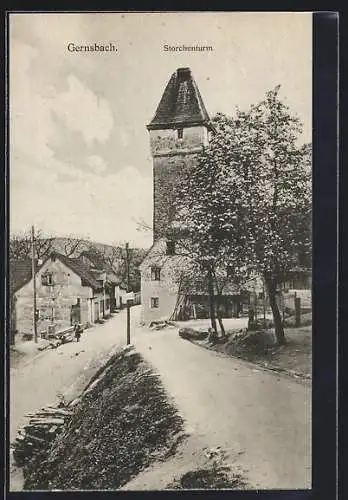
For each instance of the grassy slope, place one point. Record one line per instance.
(120, 425)
(294, 358)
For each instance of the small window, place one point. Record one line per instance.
(170, 249)
(154, 302)
(180, 133)
(155, 273)
(46, 279)
(261, 296)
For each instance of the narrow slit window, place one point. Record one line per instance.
(155, 274)
(180, 133)
(170, 247)
(154, 302)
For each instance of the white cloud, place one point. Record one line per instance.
(83, 111)
(106, 208)
(116, 95)
(97, 163)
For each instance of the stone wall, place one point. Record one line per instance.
(167, 142)
(173, 152)
(170, 157)
(55, 301)
(97, 310)
(165, 289)
(120, 301)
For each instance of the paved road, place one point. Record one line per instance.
(240, 407)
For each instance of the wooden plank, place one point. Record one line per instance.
(57, 410)
(34, 438)
(49, 415)
(49, 419)
(39, 423)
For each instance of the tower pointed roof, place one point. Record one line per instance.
(181, 104)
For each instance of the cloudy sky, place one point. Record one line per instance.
(80, 162)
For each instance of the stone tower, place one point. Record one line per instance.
(178, 131)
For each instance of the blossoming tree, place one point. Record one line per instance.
(246, 203)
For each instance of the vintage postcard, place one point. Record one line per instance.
(160, 217)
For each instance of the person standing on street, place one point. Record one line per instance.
(77, 330)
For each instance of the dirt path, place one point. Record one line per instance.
(257, 416)
(263, 417)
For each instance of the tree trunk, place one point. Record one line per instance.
(222, 328)
(218, 314)
(211, 301)
(278, 325)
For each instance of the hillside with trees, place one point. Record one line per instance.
(113, 255)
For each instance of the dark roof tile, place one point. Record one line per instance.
(20, 274)
(181, 103)
(81, 270)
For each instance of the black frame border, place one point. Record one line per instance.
(325, 274)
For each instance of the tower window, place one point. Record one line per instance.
(180, 133)
(154, 302)
(155, 273)
(170, 248)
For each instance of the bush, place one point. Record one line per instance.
(259, 324)
(204, 479)
(192, 334)
(306, 320)
(250, 343)
(27, 336)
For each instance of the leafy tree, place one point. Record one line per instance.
(246, 203)
(136, 256)
(209, 265)
(115, 257)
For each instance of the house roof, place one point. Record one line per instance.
(181, 103)
(80, 269)
(102, 266)
(96, 260)
(156, 255)
(20, 273)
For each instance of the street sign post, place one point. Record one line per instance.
(33, 270)
(129, 297)
(128, 322)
